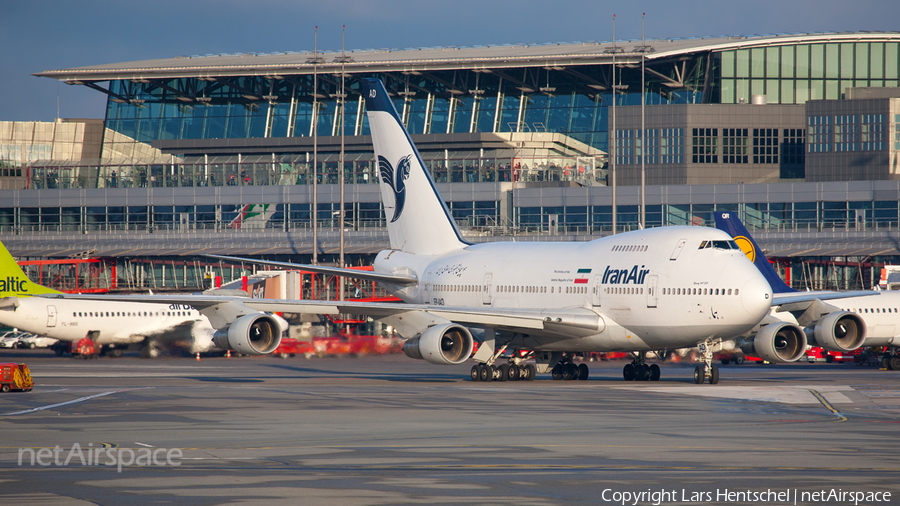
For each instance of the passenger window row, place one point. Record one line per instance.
(113, 314)
(631, 247)
(874, 310)
(625, 290)
(700, 291)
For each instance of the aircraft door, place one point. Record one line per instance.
(652, 290)
(486, 294)
(51, 316)
(678, 248)
(596, 289)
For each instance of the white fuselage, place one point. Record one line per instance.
(105, 322)
(654, 289)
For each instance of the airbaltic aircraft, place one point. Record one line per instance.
(110, 325)
(653, 289)
(854, 318)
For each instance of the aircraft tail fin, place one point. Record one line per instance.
(13, 281)
(731, 224)
(418, 219)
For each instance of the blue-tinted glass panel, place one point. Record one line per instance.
(462, 115)
(415, 123)
(440, 114)
(487, 111)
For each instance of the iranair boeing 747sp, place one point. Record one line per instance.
(112, 326)
(640, 291)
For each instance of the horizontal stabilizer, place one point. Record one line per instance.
(392, 279)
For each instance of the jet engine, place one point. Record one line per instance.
(777, 342)
(252, 334)
(838, 331)
(445, 344)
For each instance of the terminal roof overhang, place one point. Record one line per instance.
(435, 59)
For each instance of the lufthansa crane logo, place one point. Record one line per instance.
(746, 246)
(396, 181)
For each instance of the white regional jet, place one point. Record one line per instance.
(644, 290)
(113, 325)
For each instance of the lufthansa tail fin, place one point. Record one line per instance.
(731, 224)
(13, 281)
(418, 220)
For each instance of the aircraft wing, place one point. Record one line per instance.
(393, 279)
(798, 301)
(549, 321)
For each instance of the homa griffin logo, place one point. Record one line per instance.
(11, 284)
(624, 276)
(396, 181)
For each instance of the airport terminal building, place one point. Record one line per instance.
(798, 134)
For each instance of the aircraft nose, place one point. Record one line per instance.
(756, 295)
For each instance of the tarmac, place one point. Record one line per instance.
(391, 430)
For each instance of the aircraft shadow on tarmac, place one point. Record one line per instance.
(223, 379)
(402, 377)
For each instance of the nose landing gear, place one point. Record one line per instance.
(706, 371)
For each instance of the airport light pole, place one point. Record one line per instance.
(611, 139)
(643, 129)
(315, 134)
(343, 100)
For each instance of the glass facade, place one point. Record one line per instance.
(793, 74)
(789, 216)
(469, 101)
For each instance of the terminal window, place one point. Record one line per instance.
(705, 145)
(765, 145)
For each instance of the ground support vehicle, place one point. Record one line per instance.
(15, 377)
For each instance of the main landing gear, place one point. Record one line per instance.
(566, 370)
(503, 372)
(637, 370)
(706, 370)
(514, 370)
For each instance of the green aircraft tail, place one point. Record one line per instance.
(13, 281)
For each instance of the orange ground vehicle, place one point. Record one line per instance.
(15, 377)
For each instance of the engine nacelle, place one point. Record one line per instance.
(777, 342)
(446, 344)
(838, 331)
(252, 334)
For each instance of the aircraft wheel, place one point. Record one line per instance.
(628, 372)
(738, 360)
(568, 372)
(556, 372)
(487, 373)
(699, 374)
(895, 362)
(530, 372)
(641, 372)
(583, 372)
(476, 372)
(714, 375)
(504, 372)
(654, 372)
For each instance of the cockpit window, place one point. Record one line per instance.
(728, 245)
